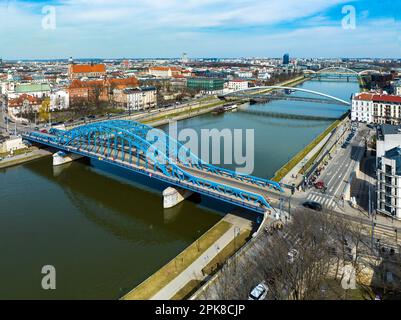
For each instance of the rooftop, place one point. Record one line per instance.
(387, 129)
(375, 97)
(395, 154)
(88, 68)
(32, 87)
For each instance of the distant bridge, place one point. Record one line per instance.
(265, 90)
(126, 144)
(289, 97)
(339, 72)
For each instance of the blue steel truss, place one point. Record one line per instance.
(129, 141)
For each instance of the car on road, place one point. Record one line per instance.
(320, 185)
(313, 205)
(259, 292)
(44, 131)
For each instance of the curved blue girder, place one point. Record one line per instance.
(120, 139)
(179, 153)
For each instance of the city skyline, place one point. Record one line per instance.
(211, 28)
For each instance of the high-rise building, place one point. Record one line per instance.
(286, 59)
(185, 58)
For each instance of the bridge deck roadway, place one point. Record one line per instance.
(270, 195)
(266, 192)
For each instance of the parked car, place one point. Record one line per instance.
(44, 131)
(259, 292)
(292, 255)
(316, 206)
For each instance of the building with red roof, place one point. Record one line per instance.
(24, 103)
(77, 71)
(99, 89)
(376, 107)
(165, 72)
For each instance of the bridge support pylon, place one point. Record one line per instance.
(61, 158)
(174, 196)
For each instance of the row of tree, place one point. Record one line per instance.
(316, 256)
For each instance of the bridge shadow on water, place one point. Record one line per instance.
(131, 204)
(279, 115)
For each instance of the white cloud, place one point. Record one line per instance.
(191, 13)
(107, 28)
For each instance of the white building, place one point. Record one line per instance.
(389, 170)
(389, 184)
(264, 75)
(141, 98)
(7, 88)
(164, 72)
(362, 108)
(12, 144)
(388, 137)
(237, 85)
(244, 74)
(59, 100)
(397, 88)
(38, 90)
(376, 108)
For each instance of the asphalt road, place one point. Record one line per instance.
(337, 174)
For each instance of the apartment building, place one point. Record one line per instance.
(397, 88)
(140, 98)
(389, 170)
(376, 108)
(165, 72)
(237, 85)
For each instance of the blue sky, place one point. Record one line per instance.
(202, 28)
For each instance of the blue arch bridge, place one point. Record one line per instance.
(125, 144)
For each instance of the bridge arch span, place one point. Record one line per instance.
(273, 88)
(127, 144)
(339, 69)
(78, 137)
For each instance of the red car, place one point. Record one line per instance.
(44, 131)
(320, 185)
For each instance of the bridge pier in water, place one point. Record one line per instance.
(61, 158)
(174, 196)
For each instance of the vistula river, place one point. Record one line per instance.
(105, 231)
